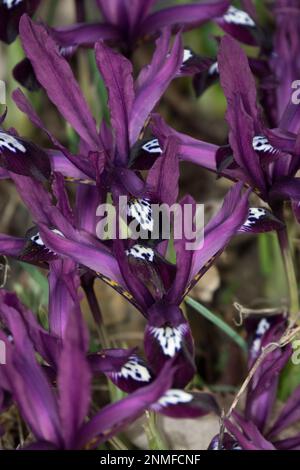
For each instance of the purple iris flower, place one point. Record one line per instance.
(252, 429)
(57, 418)
(104, 158)
(130, 372)
(126, 21)
(265, 159)
(156, 287)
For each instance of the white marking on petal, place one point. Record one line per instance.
(256, 345)
(260, 143)
(11, 143)
(169, 338)
(11, 3)
(263, 326)
(239, 17)
(134, 369)
(254, 215)
(175, 397)
(152, 146)
(187, 55)
(37, 239)
(141, 210)
(214, 68)
(141, 252)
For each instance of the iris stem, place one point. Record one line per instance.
(155, 439)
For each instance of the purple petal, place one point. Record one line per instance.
(94, 257)
(177, 403)
(242, 113)
(291, 443)
(55, 75)
(184, 259)
(114, 417)
(87, 196)
(260, 220)
(153, 81)
(163, 177)
(74, 379)
(23, 157)
(168, 335)
(116, 71)
(189, 16)
(109, 360)
(220, 230)
(84, 34)
(63, 298)
(251, 438)
(132, 374)
(11, 246)
(287, 188)
(15, 316)
(189, 149)
(32, 391)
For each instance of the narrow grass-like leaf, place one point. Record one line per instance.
(218, 322)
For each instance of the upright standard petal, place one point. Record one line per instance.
(63, 298)
(153, 81)
(55, 75)
(220, 230)
(242, 112)
(74, 379)
(116, 71)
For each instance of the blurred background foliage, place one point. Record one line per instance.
(250, 272)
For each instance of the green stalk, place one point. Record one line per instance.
(287, 258)
(155, 439)
(290, 272)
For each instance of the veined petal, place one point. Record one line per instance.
(63, 297)
(219, 231)
(84, 34)
(55, 75)
(74, 379)
(85, 252)
(189, 149)
(184, 15)
(116, 71)
(153, 81)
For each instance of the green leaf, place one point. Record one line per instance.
(154, 437)
(289, 381)
(218, 322)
